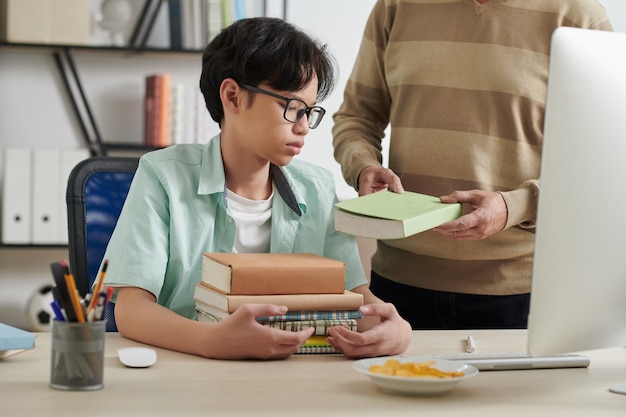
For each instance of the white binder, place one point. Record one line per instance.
(16, 197)
(47, 196)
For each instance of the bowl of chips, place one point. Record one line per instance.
(414, 375)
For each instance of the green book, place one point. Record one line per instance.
(389, 215)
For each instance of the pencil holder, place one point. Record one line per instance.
(77, 362)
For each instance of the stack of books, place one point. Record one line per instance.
(194, 23)
(173, 113)
(309, 285)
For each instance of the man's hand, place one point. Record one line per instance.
(488, 216)
(373, 179)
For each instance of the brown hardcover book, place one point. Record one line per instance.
(272, 273)
(165, 111)
(150, 112)
(347, 300)
(157, 110)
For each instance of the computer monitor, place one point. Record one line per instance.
(578, 297)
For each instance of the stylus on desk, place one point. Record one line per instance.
(470, 346)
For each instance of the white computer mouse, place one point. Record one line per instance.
(137, 357)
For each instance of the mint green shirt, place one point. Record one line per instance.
(177, 208)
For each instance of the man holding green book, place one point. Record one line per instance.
(462, 84)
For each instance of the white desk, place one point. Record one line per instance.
(185, 385)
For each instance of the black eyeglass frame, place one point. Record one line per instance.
(307, 110)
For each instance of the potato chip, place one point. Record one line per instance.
(412, 369)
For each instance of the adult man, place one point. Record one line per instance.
(462, 84)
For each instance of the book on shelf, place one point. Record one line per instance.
(189, 119)
(14, 340)
(157, 101)
(175, 24)
(347, 300)
(179, 123)
(218, 16)
(272, 273)
(211, 313)
(389, 215)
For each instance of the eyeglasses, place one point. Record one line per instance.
(294, 108)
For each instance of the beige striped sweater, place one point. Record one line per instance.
(463, 86)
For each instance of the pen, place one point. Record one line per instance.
(61, 293)
(99, 309)
(109, 291)
(56, 308)
(471, 347)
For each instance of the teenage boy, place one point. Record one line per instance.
(241, 192)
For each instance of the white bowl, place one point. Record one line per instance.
(416, 385)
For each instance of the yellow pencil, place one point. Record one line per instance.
(97, 287)
(73, 292)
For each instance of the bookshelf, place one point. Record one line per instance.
(64, 58)
(65, 71)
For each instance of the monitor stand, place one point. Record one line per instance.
(618, 389)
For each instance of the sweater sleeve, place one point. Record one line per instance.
(522, 202)
(521, 205)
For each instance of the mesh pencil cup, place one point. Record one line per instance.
(77, 362)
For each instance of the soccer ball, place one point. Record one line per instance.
(38, 311)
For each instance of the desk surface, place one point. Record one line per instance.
(180, 384)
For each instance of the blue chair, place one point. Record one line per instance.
(96, 190)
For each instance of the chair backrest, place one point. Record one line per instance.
(96, 190)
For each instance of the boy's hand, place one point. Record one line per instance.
(391, 336)
(242, 337)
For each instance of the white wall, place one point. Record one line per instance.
(35, 113)
(342, 31)
(616, 9)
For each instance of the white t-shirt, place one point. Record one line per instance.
(254, 223)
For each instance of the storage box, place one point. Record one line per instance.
(45, 21)
(25, 21)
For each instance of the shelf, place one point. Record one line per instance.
(137, 46)
(64, 61)
(33, 246)
(117, 146)
(95, 48)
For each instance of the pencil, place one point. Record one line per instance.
(97, 286)
(73, 292)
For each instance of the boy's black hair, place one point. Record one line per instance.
(264, 50)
